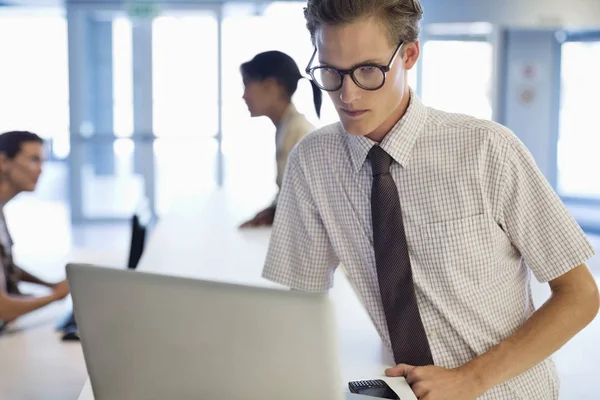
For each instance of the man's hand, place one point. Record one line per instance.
(263, 218)
(60, 290)
(435, 383)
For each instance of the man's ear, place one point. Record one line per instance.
(412, 52)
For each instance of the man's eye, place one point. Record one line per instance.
(368, 69)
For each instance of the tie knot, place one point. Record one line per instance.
(380, 160)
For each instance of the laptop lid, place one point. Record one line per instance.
(148, 336)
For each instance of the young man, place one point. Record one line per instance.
(437, 218)
(21, 157)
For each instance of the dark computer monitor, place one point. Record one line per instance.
(141, 222)
(138, 241)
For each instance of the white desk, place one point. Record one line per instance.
(199, 239)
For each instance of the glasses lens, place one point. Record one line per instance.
(369, 77)
(327, 78)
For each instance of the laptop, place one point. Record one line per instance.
(149, 336)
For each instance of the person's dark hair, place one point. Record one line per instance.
(401, 17)
(282, 68)
(11, 142)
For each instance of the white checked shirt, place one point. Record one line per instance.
(478, 216)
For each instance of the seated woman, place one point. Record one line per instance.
(21, 157)
(270, 81)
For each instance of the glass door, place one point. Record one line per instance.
(144, 107)
(105, 184)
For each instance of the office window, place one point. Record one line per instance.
(579, 132)
(185, 112)
(185, 74)
(457, 76)
(34, 80)
(122, 77)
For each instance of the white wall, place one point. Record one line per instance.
(529, 108)
(522, 13)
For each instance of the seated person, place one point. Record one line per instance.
(21, 157)
(270, 80)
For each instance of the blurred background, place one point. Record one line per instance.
(143, 99)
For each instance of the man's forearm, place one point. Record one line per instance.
(546, 331)
(13, 307)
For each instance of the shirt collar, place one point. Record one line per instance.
(399, 142)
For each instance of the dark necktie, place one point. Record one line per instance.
(409, 341)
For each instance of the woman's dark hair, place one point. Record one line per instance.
(281, 67)
(11, 142)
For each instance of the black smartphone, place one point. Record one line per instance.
(375, 388)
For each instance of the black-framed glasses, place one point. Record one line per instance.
(366, 76)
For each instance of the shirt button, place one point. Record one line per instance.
(433, 334)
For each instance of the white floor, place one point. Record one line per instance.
(35, 364)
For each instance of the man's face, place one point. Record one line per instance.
(24, 170)
(363, 112)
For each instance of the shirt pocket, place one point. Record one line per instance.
(457, 255)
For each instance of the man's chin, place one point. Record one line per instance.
(355, 130)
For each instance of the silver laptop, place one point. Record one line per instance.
(148, 336)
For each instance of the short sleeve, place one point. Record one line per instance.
(536, 220)
(300, 254)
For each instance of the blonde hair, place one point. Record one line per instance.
(400, 17)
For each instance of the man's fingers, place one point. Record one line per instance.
(416, 374)
(419, 390)
(399, 370)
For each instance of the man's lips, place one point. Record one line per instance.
(354, 113)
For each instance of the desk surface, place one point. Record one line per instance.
(199, 238)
